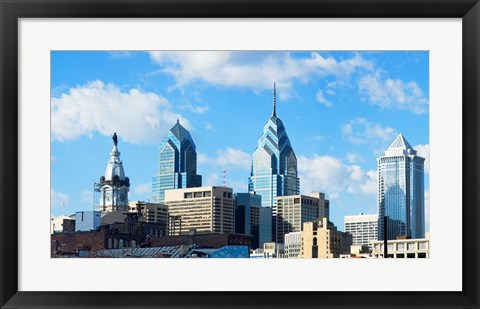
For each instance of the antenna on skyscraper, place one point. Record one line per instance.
(224, 182)
(274, 100)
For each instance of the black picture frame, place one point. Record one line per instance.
(12, 10)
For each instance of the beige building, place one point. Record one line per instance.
(403, 248)
(292, 212)
(152, 212)
(203, 209)
(320, 239)
(323, 205)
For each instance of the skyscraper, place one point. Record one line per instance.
(274, 165)
(177, 165)
(253, 219)
(401, 191)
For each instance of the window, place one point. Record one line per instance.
(422, 245)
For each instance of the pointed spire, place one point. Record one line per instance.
(400, 142)
(274, 100)
(178, 120)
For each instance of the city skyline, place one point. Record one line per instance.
(339, 119)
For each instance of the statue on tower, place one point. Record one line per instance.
(114, 137)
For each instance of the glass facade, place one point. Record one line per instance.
(253, 219)
(401, 192)
(274, 165)
(177, 164)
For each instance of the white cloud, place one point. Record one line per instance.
(370, 185)
(424, 152)
(227, 158)
(144, 188)
(195, 109)
(136, 116)
(318, 138)
(330, 92)
(353, 158)
(202, 158)
(253, 70)
(237, 186)
(58, 199)
(321, 98)
(360, 131)
(393, 93)
(329, 175)
(208, 126)
(87, 197)
(212, 179)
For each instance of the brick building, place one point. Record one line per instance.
(210, 240)
(132, 232)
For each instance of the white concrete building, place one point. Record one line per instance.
(364, 228)
(293, 243)
(270, 250)
(56, 224)
(403, 248)
(87, 220)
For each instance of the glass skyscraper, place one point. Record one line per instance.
(274, 165)
(253, 219)
(177, 165)
(401, 191)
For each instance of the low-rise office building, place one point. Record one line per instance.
(87, 220)
(152, 212)
(321, 239)
(270, 250)
(293, 243)
(203, 209)
(364, 228)
(403, 248)
(62, 223)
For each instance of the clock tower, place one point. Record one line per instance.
(114, 186)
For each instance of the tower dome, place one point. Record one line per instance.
(114, 166)
(114, 186)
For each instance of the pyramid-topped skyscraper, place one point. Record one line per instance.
(177, 164)
(274, 164)
(401, 191)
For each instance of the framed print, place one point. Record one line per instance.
(158, 130)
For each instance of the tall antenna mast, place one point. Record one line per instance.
(224, 182)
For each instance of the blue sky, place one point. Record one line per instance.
(341, 111)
